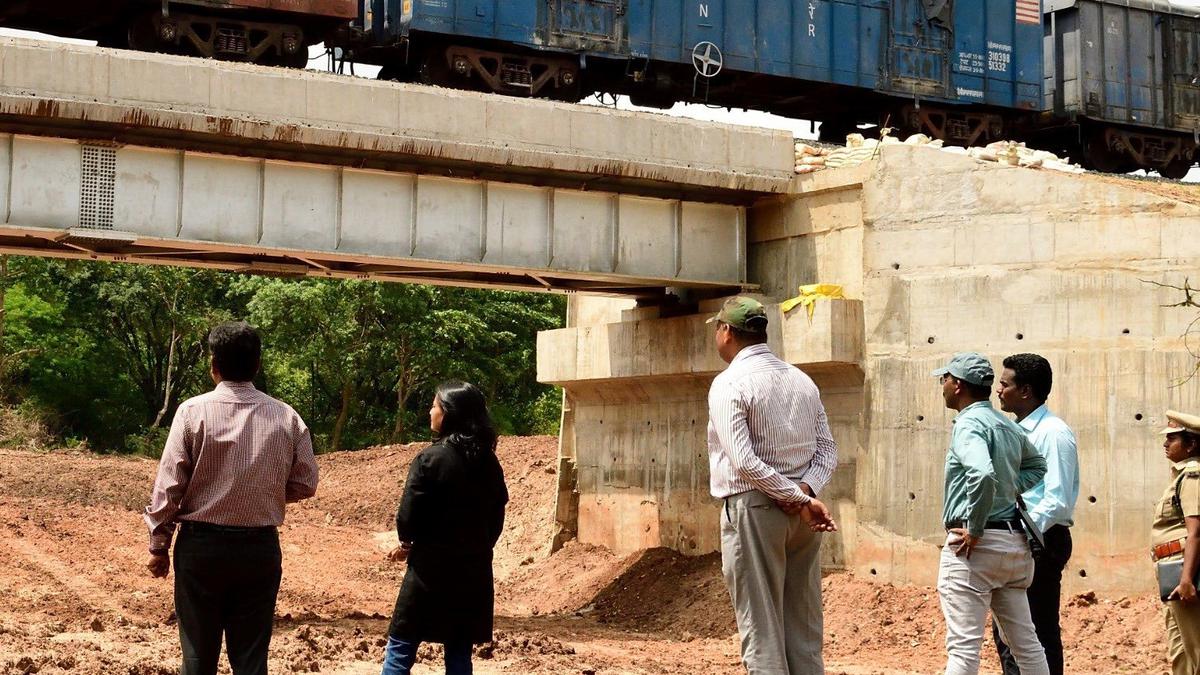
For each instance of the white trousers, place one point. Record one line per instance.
(995, 577)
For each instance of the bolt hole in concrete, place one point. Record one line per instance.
(1083, 573)
(872, 570)
(1138, 417)
(911, 496)
(1124, 331)
(1020, 336)
(895, 266)
(931, 339)
(920, 418)
(1092, 499)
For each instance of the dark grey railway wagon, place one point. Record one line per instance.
(1128, 73)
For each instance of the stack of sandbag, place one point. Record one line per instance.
(859, 150)
(809, 158)
(1013, 153)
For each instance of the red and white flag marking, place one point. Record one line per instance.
(1029, 11)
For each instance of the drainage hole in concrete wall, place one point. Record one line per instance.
(1083, 573)
(1124, 331)
(1138, 417)
(1020, 336)
(920, 418)
(1092, 499)
(931, 339)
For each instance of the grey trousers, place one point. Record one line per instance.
(772, 566)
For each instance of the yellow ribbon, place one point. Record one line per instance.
(810, 294)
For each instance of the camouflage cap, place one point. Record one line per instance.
(743, 313)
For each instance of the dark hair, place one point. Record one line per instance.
(1194, 439)
(1032, 370)
(466, 424)
(755, 331)
(236, 350)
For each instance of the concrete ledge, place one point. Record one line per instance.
(174, 101)
(661, 348)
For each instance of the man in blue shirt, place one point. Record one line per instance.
(985, 562)
(1024, 387)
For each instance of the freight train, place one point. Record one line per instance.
(1113, 83)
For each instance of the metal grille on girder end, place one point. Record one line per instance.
(98, 187)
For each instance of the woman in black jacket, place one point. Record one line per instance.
(450, 517)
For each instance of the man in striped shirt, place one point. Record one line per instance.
(770, 454)
(233, 460)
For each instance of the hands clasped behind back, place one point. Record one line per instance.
(814, 513)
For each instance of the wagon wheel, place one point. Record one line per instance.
(1176, 168)
(1100, 157)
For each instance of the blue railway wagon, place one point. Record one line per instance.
(839, 61)
(1124, 72)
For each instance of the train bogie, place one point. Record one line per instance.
(276, 32)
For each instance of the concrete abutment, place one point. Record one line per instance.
(937, 253)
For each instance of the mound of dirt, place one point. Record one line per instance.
(79, 478)
(566, 582)
(362, 488)
(662, 591)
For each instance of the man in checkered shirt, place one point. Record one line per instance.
(234, 459)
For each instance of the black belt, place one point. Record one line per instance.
(1010, 525)
(197, 526)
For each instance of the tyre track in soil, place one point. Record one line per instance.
(70, 582)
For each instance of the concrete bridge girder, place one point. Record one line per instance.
(77, 199)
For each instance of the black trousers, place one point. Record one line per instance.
(1045, 594)
(226, 582)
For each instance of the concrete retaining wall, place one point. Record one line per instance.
(960, 255)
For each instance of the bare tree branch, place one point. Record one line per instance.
(1192, 332)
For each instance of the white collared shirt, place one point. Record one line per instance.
(767, 429)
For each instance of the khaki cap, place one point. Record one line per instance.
(1178, 422)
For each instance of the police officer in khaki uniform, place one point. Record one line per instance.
(1176, 534)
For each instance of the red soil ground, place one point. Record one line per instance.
(74, 597)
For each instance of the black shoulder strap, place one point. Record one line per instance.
(1183, 473)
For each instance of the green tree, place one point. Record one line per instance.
(109, 350)
(10, 357)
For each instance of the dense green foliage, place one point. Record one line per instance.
(105, 352)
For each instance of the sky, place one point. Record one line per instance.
(799, 128)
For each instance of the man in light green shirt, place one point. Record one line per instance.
(990, 461)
